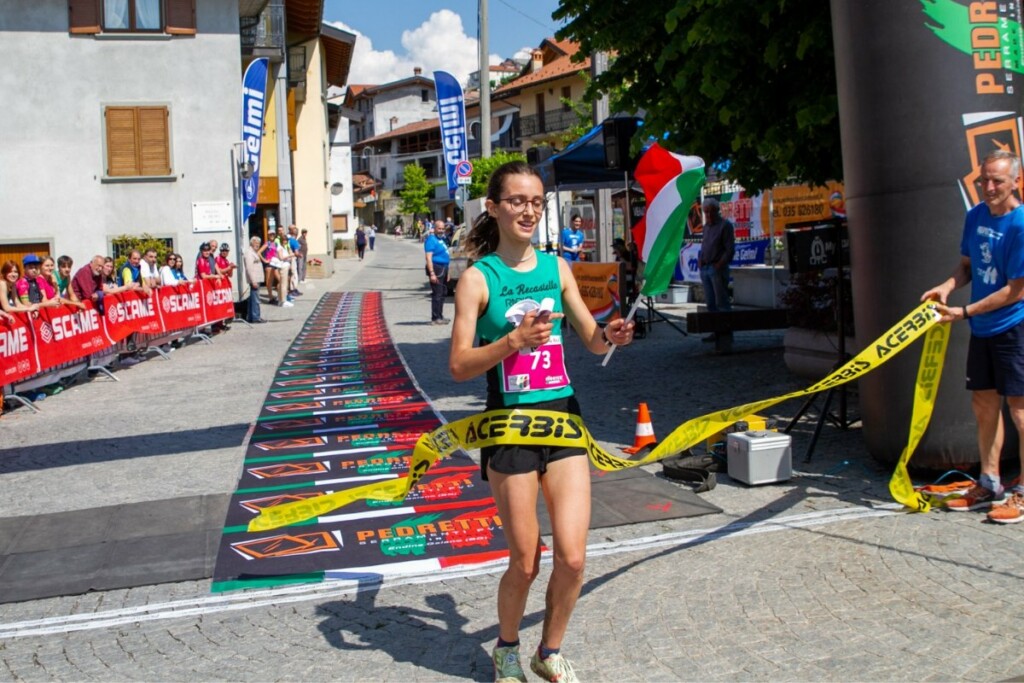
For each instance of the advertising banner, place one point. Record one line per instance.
(451, 110)
(65, 334)
(218, 302)
(180, 306)
(53, 336)
(254, 105)
(599, 286)
(17, 353)
(126, 313)
(926, 90)
(755, 217)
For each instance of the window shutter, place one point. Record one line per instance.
(138, 141)
(293, 143)
(154, 141)
(84, 16)
(180, 16)
(122, 152)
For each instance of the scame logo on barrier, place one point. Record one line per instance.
(218, 296)
(13, 342)
(180, 303)
(132, 309)
(69, 325)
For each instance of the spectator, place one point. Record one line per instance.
(149, 271)
(627, 254)
(64, 266)
(293, 248)
(179, 268)
(204, 264)
(303, 255)
(271, 266)
(224, 266)
(360, 242)
(371, 235)
(167, 275)
(9, 301)
(572, 239)
(253, 268)
(32, 288)
(130, 276)
(87, 284)
(64, 296)
(110, 283)
(285, 258)
(717, 246)
(437, 257)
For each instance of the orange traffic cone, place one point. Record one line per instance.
(644, 430)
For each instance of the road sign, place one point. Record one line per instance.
(464, 172)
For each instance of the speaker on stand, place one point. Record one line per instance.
(618, 133)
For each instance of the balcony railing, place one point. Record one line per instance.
(548, 122)
(263, 36)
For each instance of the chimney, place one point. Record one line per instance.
(416, 71)
(536, 61)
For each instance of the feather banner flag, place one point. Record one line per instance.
(671, 184)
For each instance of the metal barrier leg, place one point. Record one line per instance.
(163, 354)
(196, 334)
(104, 370)
(25, 402)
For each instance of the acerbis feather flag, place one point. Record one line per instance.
(671, 184)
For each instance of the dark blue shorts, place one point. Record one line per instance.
(997, 362)
(522, 459)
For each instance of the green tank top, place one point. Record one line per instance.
(506, 287)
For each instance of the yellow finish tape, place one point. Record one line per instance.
(929, 372)
(548, 428)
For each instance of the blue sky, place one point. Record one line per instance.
(396, 35)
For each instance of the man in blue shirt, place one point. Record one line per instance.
(572, 239)
(992, 261)
(436, 251)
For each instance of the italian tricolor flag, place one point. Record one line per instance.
(671, 184)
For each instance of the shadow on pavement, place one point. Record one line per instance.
(65, 453)
(435, 638)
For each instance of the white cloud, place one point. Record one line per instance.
(439, 43)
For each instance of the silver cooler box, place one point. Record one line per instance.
(759, 457)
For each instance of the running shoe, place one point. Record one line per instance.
(1010, 512)
(976, 498)
(507, 668)
(554, 668)
(949, 489)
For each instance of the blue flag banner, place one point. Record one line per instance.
(451, 110)
(254, 106)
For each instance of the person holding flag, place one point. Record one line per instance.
(514, 299)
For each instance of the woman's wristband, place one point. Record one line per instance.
(607, 342)
(966, 314)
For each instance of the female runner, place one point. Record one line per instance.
(525, 368)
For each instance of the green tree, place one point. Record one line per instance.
(417, 190)
(123, 245)
(751, 82)
(483, 168)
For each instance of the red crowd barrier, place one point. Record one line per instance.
(34, 344)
